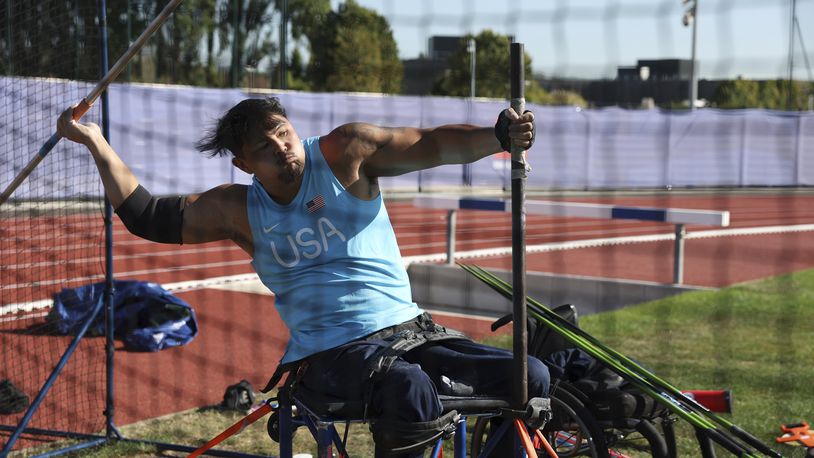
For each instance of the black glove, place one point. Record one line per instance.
(502, 131)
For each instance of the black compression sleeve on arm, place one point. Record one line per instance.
(155, 219)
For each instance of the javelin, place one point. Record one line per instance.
(88, 101)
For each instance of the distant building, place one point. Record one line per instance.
(660, 82)
(663, 82)
(420, 74)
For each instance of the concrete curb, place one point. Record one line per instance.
(450, 288)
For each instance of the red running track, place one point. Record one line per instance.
(241, 336)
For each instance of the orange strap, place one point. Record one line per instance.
(234, 429)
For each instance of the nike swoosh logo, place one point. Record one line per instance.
(269, 229)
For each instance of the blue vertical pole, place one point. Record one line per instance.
(110, 428)
(460, 439)
(286, 428)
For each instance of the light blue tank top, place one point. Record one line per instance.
(331, 260)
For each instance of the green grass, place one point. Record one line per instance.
(754, 339)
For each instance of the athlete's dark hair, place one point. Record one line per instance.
(228, 135)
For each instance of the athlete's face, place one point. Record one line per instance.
(273, 151)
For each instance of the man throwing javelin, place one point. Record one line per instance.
(314, 222)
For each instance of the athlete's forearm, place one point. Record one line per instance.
(118, 180)
(462, 144)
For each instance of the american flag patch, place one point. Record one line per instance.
(315, 204)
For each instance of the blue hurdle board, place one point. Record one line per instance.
(580, 210)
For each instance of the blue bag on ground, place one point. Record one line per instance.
(147, 317)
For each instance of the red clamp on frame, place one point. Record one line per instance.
(719, 401)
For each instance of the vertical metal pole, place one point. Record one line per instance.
(520, 337)
(285, 424)
(451, 227)
(9, 39)
(76, 37)
(472, 48)
(693, 66)
(235, 37)
(110, 428)
(678, 255)
(789, 98)
(460, 438)
(283, 41)
(324, 440)
(128, 74)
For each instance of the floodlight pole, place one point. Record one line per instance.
(789, 98)
(693, 69)
(520, 334)
(283, 40)
(471, 46)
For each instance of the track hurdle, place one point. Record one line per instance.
(679, 217)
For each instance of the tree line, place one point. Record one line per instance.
(223, 43)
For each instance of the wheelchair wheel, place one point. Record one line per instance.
(572, 431)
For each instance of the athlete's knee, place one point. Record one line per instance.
(406, 393)
(539, 378)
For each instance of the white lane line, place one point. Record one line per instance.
(608, 241)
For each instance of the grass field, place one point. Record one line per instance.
(753, 339)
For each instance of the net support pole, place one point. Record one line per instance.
(110, 428)
(520, 336)
(88, 101)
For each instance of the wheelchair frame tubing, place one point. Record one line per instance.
(285, 424)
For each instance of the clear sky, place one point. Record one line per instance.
(590, 38)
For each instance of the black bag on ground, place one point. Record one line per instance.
(239, 396)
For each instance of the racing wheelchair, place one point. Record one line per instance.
(299, 407)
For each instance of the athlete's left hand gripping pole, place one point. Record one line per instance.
(88, 101)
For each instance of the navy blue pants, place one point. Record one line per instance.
(409, 390)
